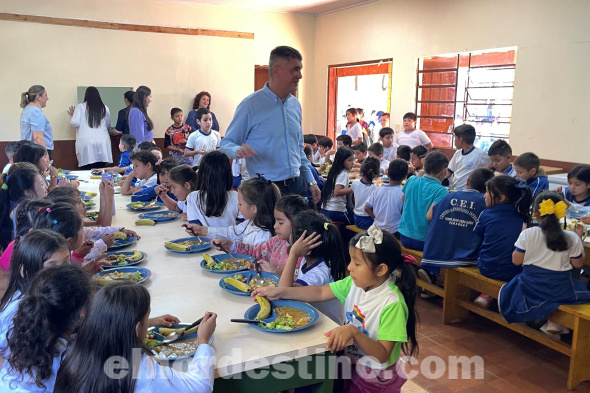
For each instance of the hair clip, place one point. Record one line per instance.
(48, 210)
(326, 226)
(4, 186)
(262, 179)
(6, 178)
(306, 199)
(54, 222)
(549, 207)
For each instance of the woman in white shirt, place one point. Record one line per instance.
(92, 119)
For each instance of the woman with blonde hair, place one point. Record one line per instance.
(34, 126)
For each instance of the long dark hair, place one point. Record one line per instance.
(21, 178)
(117, 307)
(291, 205)
(338, 166)
(139, 102)
(95, 109)
(63, 218)
(331, 248)
(182, 174)
(370, 168)
(50, 308)
(30, 153)
(389, 252)
(27, 260)
(556, 240)
(264, 195)
(517, 193)
(214, 180)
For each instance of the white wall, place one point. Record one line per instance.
(175, 67)
(552, 86)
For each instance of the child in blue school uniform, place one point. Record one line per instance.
(528, 167)
(420, 193)
(126, 146)
(547, 254)
(500, 153)
(317, 242)
(578, 190)
(149, 193)
(144, 170)
(380, 317)
(508, 201)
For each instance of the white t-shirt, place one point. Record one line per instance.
(361, 193)
(338, 203)
(198, 140)
(413, 138)
(462, 164)
(383, 165)
(246, 232)
(386, 202)
(227, 218)
(316, 156)
(534, 243)
(319, 274)
(355, 131)
(390, 153)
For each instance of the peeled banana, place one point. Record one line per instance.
(264, 307)
(176, 246)
(168, 331)
(137, 255)
(240, 286)
(209, 261)
(145, 221)
(120, 235)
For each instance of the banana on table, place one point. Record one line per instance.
(145, 221)
(176, 246)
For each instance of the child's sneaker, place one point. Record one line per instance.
(554, 328)
(423, 274)
(484, 301)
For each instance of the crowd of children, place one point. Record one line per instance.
(400, 198)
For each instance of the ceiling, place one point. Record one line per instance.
(310, 7)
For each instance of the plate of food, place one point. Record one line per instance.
(88, 193)
(159, 216)
(124, 258)
(63, 171)
(92, 215)
(242, 284)
(71, 177)
(142, 206)
(284, 316)
(187, 245)
(89, 203)
(226, 264)
(184, 347)
(86, 198)
(122, 241)
(576, 211)
(132, 273)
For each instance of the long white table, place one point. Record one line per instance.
(247, 359)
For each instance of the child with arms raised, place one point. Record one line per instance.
(144, 169)
(124, 307)
(508, 201)
(385, 203)
(419, 194)
(176, 137)
(378, 299)
(274, 252)
(256, 201)
(467, 158)
(362, 189)
(546, 254)
(214, 203)
(203, 140)
(528, 168)
(317, 243)
(336, 189)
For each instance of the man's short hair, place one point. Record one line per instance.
(361, 146)
(528, 161)
(310, 139)
(377, 149)
(397, 170)
(174, 111)
(404, 152)
(326, 142)
(345, 139)
(500, 148)
(478, 179)
(465, 131)
(434, 162)
(282, 52)
(410, 115)
(420, 151)
(308, 150)
(201, 112)
(385, 131)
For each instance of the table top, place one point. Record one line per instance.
(551, 170)
(179, 286)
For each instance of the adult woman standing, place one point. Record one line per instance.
(92, 119)
(140, 124)
(202, 100)
(34, 126)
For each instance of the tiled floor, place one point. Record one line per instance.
(511, 362)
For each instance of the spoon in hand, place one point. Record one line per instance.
(179, 333)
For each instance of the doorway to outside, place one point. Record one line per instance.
(365, 85)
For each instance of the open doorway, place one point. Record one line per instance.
(261, 76)
(365, 85)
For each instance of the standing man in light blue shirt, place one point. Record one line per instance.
(266, 128)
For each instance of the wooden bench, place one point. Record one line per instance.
(416, 254)
(457, 303)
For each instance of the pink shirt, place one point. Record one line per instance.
(6, 256)
(274, 250)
